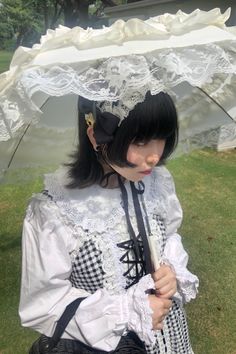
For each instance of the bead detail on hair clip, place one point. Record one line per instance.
(89, 119)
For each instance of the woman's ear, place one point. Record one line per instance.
(90, 133)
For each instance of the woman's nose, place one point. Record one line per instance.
(152, 159)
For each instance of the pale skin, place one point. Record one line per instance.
(145, 156)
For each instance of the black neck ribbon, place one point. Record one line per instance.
(140, 224)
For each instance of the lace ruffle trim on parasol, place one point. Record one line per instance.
(126, 78)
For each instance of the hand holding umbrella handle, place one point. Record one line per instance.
(155, 258)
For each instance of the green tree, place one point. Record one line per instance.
(6, 29)
(71, 12)
(26, 21)
(20, 20)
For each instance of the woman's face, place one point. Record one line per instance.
(144, 156)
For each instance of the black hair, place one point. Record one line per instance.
(154, 118)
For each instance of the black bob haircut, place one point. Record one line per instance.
(154, 118)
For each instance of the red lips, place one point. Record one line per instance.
(147, 172)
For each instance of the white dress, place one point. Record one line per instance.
(70, 250)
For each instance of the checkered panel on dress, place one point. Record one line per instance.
(87, 272)
(177, 329)
(162, 228)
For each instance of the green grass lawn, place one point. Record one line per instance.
(5, 58)
(205, 183)
(206, 186)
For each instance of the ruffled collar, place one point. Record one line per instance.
(98, 209)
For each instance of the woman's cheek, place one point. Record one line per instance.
(131, 157)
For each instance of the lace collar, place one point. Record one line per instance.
(98, 209)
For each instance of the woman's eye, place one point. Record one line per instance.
(140, 143)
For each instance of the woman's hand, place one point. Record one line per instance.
(160, 308)
(165, 282)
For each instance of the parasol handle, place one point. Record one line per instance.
(154, 252)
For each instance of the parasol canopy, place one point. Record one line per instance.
(190, 56)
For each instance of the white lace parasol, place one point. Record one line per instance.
(191, 56)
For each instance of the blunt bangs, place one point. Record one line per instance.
(154, 118)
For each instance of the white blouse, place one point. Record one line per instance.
(55, 230)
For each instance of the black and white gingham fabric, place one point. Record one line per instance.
(161, 226)
(177, 332)
(177, 329)
(87, 272)
(176, 319)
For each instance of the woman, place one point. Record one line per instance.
(86, 237)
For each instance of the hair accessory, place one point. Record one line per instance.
(89, 119)
(105, 127)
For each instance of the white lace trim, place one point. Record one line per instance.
(187, 283)
(85, 220)
(127, 79)
(98, 215)
(140, 320)
(174, 50)
(187, 289)
(103, 219)
(114, 269)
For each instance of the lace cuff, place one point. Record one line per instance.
(187, 285)
(140, 319)
(176, 256)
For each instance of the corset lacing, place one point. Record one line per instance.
(140, 260)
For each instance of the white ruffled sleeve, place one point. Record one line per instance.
(174, 252)
(101, 318)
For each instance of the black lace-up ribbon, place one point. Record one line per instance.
(141, 226)
(146, 258)
(138, 256)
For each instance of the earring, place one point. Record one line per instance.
(89, 119)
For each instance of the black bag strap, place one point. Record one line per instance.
(64, 320)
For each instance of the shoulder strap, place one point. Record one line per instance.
(64, 320)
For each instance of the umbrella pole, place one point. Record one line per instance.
(17, 146)
(216, 102)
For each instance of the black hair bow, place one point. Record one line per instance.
(106, 123)
(105, 127)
